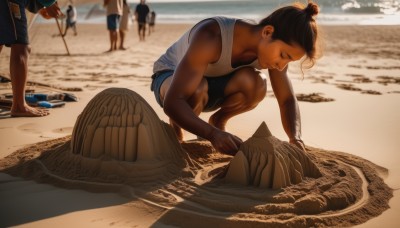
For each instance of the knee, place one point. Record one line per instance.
(252, 84)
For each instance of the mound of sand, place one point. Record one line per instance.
(120, 124)
(188, 178)
(267, 162)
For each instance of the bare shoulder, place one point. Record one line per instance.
(205, 39)
(207, 28)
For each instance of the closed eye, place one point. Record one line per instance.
(286, 57)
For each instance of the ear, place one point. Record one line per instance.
(267, 31)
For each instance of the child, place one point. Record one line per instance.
(215, 66)
(71, 19)
(152, 21)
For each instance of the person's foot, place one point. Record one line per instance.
(123, 48)
(213, 121)
(178, 130)
(28, 111)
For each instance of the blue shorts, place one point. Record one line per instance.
(216, 88)
(70, 23)
(113, 22)
(13, 22)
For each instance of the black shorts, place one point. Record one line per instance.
(216, 88)
(13, 22)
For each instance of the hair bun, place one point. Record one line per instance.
(312, 9)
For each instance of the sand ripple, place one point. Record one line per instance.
(189, 181)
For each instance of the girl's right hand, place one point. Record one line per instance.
(225, 142)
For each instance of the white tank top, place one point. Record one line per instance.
(174, 54)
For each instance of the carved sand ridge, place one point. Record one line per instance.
(119, 145)
(119, 138)
(120, 124)
(266, 162)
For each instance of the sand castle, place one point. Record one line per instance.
(267, 162)
(119, 124)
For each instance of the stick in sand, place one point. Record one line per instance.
(59, 29)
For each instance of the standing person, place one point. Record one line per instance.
(215, 66)
(14, 34)
(124, 24)
(71, 19)
(114, 12)
(152, 21)
(141, 12)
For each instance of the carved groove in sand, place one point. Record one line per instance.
(171, 177)
(265, 161)
(118, 123)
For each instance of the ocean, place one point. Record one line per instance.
(333, 12)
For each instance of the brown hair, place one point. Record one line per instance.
(296, 24)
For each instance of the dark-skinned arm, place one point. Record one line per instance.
(51, 11)
(204, 48)
(289, 109)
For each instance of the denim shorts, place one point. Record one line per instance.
(216, 88)
(13, 22)
(158, 79)
(113, 22)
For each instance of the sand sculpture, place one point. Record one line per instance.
(120, 124)
(265, 161)
(119, 145)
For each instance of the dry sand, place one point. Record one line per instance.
(365, 126)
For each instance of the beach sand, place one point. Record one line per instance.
(359, 75)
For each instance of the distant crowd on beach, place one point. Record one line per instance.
(118, 16)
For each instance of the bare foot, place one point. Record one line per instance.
(178, 130)
(123, 48)
(213, 121)
(29, 112)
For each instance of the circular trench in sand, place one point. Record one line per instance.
(120, 145)
(350, 191)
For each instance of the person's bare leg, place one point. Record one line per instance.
(122, 39)
(140, 38)
(65, 32)
(75, 31)
(197, 101)
(243, 93)
(144, 32)
(111, 40)
(115, 39)
(19, 74)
